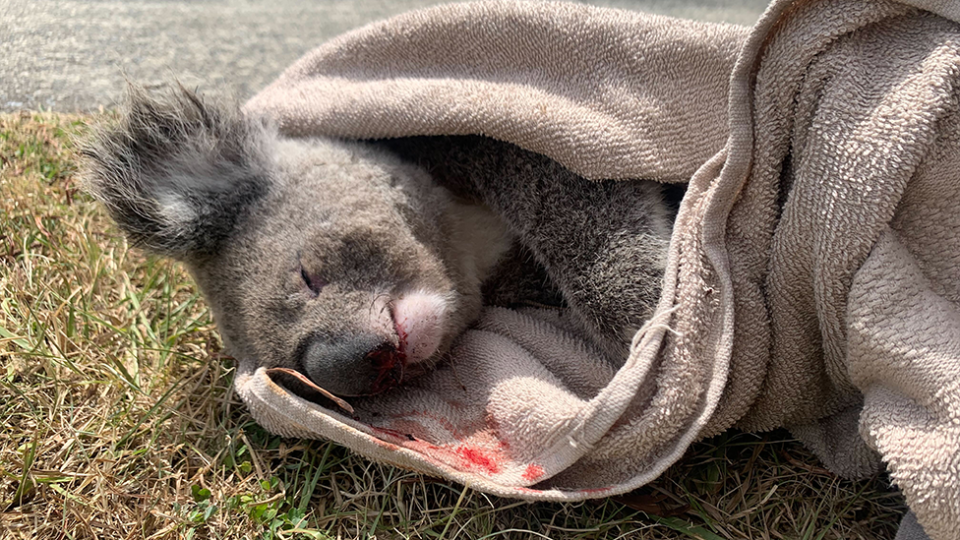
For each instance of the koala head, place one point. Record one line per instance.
(326, 257)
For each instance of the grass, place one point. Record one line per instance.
(117, 418)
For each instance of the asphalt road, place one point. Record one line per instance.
(73, 55)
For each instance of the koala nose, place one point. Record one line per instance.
(358, 366)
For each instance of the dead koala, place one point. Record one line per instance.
(358, 264)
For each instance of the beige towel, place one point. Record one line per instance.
(813, 277)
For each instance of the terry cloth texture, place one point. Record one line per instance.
(812, 279)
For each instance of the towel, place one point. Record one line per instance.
(812, 276)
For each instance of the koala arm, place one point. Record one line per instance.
(603, 243)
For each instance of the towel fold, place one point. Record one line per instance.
(812, 280)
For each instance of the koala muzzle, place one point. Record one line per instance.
(361, 365)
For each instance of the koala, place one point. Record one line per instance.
(357, 264)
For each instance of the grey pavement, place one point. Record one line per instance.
(72, 55)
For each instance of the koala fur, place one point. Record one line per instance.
(603, 243)
(358, 264)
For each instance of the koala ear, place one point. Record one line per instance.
(176, 174)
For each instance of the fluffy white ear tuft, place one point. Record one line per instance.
(175, 174)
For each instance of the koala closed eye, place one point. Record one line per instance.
(313, 282)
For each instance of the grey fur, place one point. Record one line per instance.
(603, 243)
(352, 265)
(209, 161)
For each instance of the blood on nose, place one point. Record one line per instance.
(388, 364)
(358, 365)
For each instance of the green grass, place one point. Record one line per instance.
(117, 418)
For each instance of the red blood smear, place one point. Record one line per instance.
(533, 472)
(389, 363)
(403, 338)
(478, 458)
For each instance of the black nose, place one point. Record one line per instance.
(357, 366)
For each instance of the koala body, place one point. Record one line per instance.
(358, 264)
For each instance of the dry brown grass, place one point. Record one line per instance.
(118, 420)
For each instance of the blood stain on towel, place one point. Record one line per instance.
(479, 459)
(533, 472)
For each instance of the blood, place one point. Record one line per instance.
(389, 363)
(478, 458)
(533, 472)
(402, 337)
